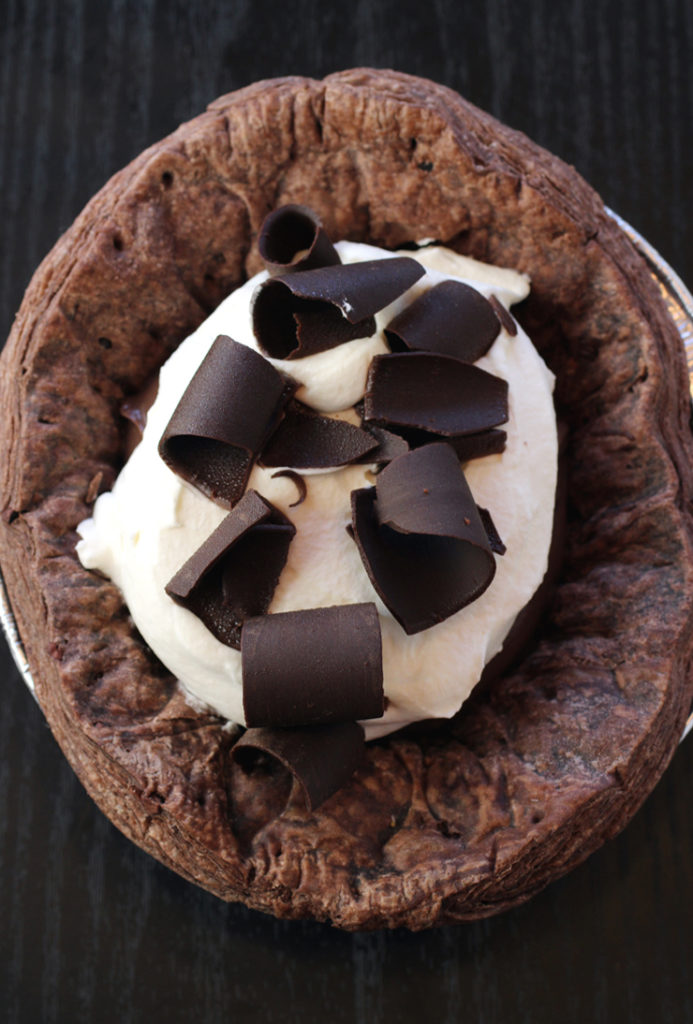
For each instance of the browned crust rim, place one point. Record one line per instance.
(444, 823)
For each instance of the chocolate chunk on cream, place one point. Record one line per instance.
(310, 311)
(233, 574)
(435, 393)
(231, 406)
(321, 758)
(316, 666)
(305, 440)
(421, 538)
(478, 446)
(467, 446)
(293, 238)
(389, 445)
(451, 318)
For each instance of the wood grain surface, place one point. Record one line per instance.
(92, 929)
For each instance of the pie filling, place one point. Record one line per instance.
(334, 508)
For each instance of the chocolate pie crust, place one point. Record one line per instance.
(445, 822)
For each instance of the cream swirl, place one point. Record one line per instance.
(151, 522)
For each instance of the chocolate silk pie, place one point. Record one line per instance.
(446, 820)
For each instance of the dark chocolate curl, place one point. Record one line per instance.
(305, 440)
(293, 238)
(438, 394)
(506, 319)
(478, 446)
(233, 575)
(312, 667)
(287, 327)
(421, 539)
(299, 483)
(451, 318)
(389, 446)
(322, 759)
(299, 314)
(231, 406)
(494, 538)
(467, 446)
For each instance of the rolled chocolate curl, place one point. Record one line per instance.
(306, 440)
(478, 446)
(293, 238)
(312, 667)
(300, 314)
(421, 538)
(229, 409)
(438, 394)
(322, 759)
(451, 318)
(233, 575)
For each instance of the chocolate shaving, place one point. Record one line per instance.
(322, 759)
(438, 394)
(451, 318)
(300, 314)
(231, 406)
(494, 539)
(507, 321)
(134, 409)
(233, 575)
(293, 237)
(467, 446)
(312, 667)
(389, 446)
(478, 446)
(421, 538)
(295, 478)
(306, 440)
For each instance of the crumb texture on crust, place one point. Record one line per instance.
(446, 822)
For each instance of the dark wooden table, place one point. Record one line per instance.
(91, 929)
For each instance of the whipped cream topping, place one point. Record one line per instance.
(150, 524)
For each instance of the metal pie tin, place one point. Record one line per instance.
(679, 303)
(14, 641)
